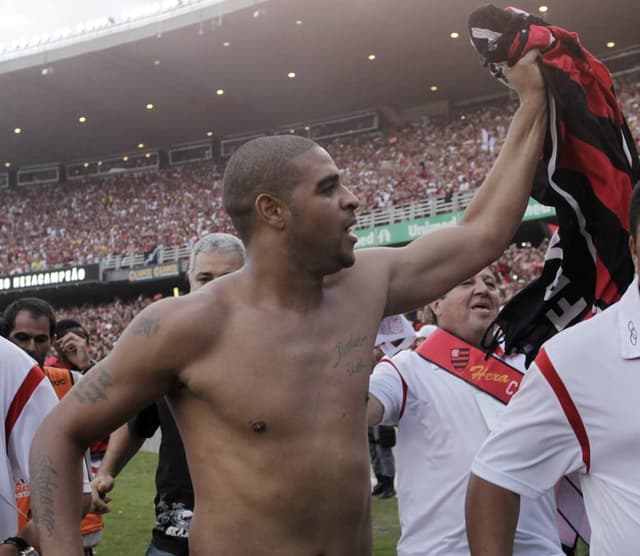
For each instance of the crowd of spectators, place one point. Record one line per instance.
(87, 220)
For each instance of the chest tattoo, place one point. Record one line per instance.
(344, 349)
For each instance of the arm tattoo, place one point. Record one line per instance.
(94, 386)
(41, 490)
(144, 327)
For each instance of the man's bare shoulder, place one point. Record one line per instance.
(187, 320)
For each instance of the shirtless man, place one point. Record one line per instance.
(267, 369)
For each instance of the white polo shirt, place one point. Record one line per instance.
(26, 397)
(442, 421)
(578, 409)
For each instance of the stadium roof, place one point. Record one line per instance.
(327, 44)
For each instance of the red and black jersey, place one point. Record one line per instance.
(587, 171)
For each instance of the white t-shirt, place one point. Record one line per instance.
(26, 397)
(442, 421)
(578, 409)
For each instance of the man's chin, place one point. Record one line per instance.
(347, 259)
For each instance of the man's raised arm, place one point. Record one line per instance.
(433, 264)
(491, 518)
(140, 369)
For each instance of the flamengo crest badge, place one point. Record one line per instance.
(459, 358)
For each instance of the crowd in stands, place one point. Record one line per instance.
(85, 221)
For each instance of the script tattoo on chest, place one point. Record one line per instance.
(344, 351)
(42, 485)
(355, 367)
(94, 386)
(144, 327)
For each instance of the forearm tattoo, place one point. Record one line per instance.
(41, 489)
(94, 385)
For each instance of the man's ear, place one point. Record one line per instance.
(271, 211)
(435, 307)
(634, 253)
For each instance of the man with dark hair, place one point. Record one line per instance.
(576, 411)
(266, 370)
(31, 325)
(71, 347)
(212, 256)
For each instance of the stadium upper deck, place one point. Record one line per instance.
(178, 64)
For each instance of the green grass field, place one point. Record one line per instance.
(128, 526)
